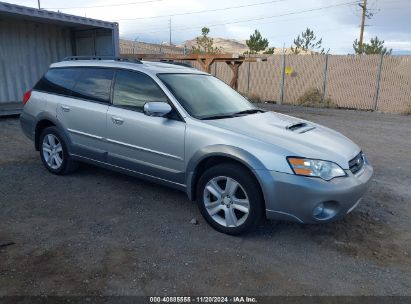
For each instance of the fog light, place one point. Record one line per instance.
(326, 211)
(318, 210)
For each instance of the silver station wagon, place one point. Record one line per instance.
(186, 129)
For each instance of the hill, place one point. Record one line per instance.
(234, 46)
(228, 45)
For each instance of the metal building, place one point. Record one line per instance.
(32, 39)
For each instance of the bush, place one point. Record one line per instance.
(407, 111)
(254, 98)
(314, 98)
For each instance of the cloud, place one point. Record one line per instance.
(239, 31)
(399, 45)
(338, 26)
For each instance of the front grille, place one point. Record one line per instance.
(356, 163)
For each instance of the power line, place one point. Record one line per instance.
(106, 5)
(254, 19)
(257, 19)
(158, 29)
(276, 21)
(203, 11)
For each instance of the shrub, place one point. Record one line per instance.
(314, 98)
(254, 98)
(407, 111)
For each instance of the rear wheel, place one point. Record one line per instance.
(53, 152)
(229, 198)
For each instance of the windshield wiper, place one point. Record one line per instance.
(217, 117)
(222, 116)
(249, 111)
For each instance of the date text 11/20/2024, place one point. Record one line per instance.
(238, 299)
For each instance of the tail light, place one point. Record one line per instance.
(26, 97)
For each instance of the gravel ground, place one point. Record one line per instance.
(96, 232)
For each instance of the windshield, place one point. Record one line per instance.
(204, 96)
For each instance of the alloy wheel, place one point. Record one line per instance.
(52, 151)
(226, 201)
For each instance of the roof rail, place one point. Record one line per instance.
(187, 65)
(75, 58)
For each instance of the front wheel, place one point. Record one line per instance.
(230, 199)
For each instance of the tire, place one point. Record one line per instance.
(54, 153)
(222, 195)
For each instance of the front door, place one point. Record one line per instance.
(152, 146)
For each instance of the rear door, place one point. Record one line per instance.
(83, 114)
(152, 146)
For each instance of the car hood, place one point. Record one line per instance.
(297, 136)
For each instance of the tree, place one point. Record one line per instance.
(204, 44)
(375, 46)
(307, 42)
(270, 50)
(256, 43)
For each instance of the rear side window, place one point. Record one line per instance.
(94, 84)
(132, 90)
(58, 81)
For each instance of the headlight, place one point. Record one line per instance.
(316, 168)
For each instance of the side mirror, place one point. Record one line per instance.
(157, 109)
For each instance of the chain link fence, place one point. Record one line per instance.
(373, 82)
(135, 47)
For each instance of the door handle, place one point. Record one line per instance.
(117, 120)
(65, 108)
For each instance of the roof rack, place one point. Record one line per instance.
(187, 65)
(75, 58)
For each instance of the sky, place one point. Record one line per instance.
(280, 21)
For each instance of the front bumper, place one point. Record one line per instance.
(297, 198)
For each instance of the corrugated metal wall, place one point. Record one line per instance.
(96, 42)
(26, 51)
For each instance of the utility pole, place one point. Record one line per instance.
(38, 3)
(364, 14)
(135, 45)
(169, 24)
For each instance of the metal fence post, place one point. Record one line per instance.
(325, 76)
(248, 77)
(282, 79)
(377, 85)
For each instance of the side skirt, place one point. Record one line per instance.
(144, 176)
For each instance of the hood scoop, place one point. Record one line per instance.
(300, 127)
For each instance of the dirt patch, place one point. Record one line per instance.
(364, 236)
(96, 232)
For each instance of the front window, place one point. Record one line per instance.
(206, 97)
(132, 90)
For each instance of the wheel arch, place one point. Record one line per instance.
(217, 154)
(40, 126)
(44, 121)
